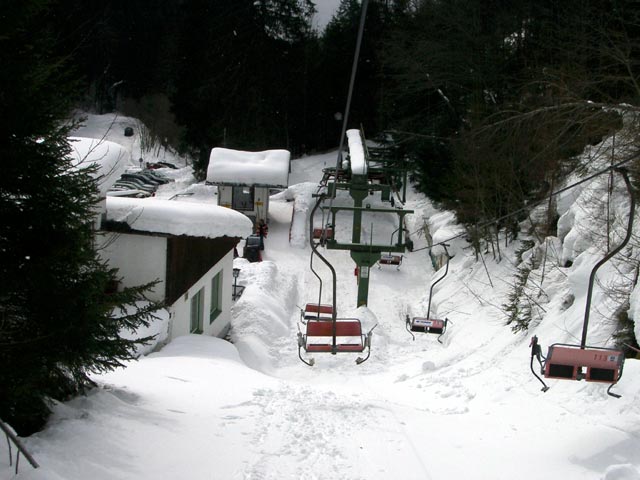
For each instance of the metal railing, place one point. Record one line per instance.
(12, 437)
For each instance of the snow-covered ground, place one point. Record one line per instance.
(203, 408)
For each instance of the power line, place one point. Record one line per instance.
(352, 80)
(421, 135)
(354, 69)
(523, 209)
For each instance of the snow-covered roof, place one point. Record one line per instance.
(178, 218)
(234, 167)
(356, 153)
(110, 158)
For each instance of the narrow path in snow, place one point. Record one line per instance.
(411, 401)
(320, 417)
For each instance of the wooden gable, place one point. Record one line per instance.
(189, 258)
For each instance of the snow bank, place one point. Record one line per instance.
(265, 315)
(634, 310)
(199, 346)
(303, 202)
(443, 228)
(182, 412)
(178, 218)
(575, 225)
(584, 224)
(622, 472)
(110, 159)
(111, 127)
(234, 167)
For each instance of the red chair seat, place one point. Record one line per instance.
(325, 329)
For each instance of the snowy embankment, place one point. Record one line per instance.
(158, 418)
(202, 408)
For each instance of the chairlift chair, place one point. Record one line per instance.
(582, 362)
(316, 310)
(337, 335)
(323, 233)
(391, 258)
(428, 324)
(575, 362)
(324, 332)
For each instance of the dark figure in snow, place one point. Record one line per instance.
(262, 230)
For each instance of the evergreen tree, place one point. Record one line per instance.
(57, 323)
(334, 72)
(241, 79)
(493, 99)
(450, 66)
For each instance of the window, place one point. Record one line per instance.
(216, 297)
(197, 312)
(242, 198)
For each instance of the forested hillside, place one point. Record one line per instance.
(468, 88)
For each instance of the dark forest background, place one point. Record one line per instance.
(255, 75)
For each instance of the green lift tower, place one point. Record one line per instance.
(365, 255)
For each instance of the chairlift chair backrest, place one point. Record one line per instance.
(590, 364)
(428, 325)
(390, 259)
(315, 311)
(319, 232)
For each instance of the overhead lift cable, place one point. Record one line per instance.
(345, 328)
(614, 167)
(352, 81)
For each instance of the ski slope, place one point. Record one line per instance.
(203, 408)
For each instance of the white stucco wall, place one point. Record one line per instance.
(139, 259)
(181, 308)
